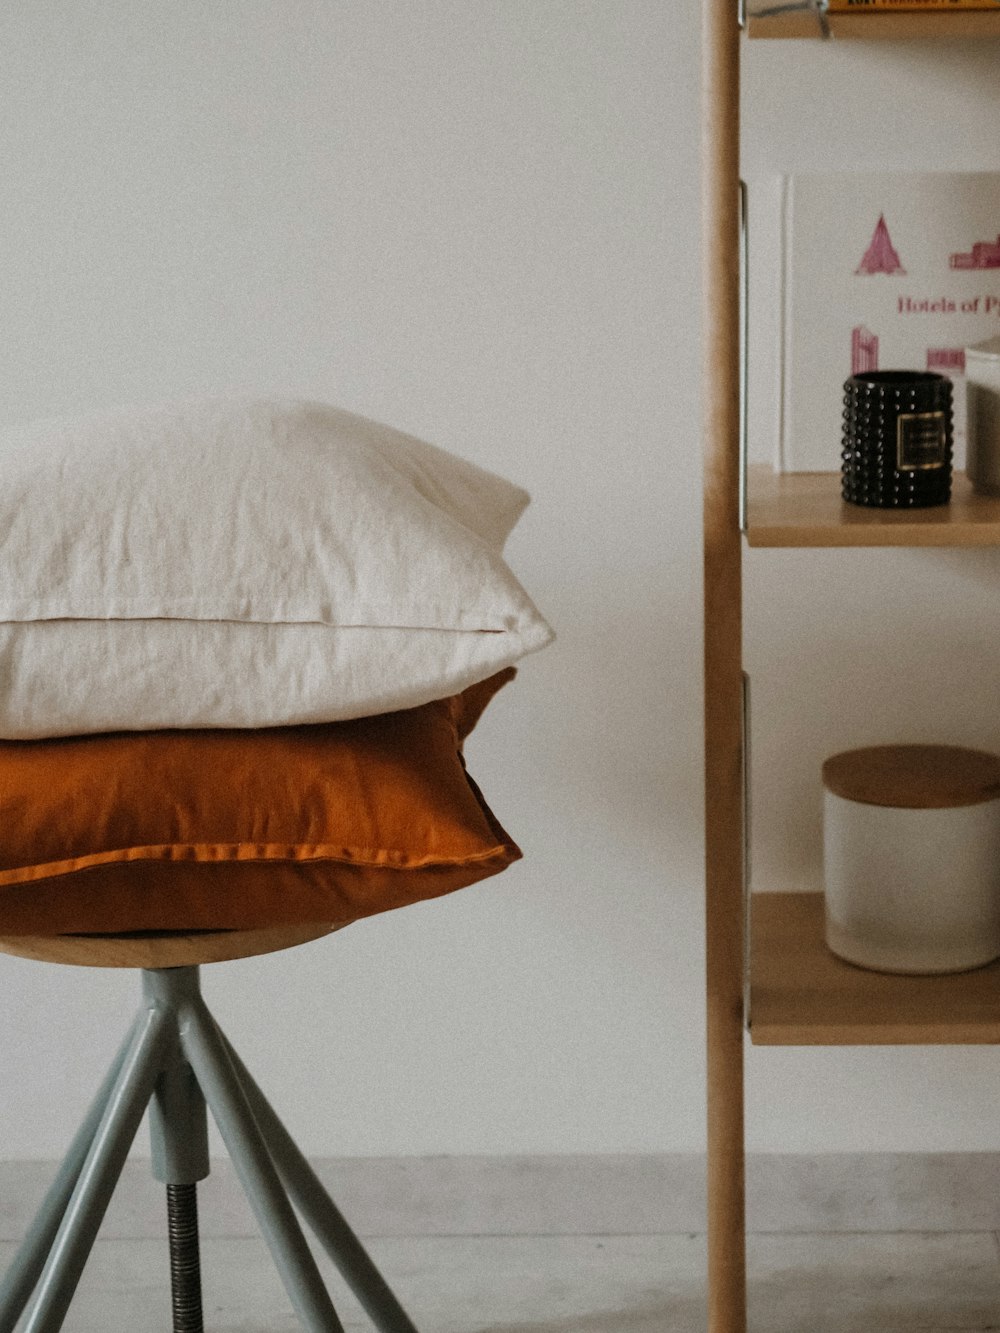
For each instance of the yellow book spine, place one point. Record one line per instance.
(904, 6)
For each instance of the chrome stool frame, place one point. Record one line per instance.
(176, 1061)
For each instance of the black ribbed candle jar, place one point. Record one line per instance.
(897, 439)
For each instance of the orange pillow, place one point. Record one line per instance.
(211, 830)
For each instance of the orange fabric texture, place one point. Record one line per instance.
(208, 830)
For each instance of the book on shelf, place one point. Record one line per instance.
(765, 9)
(886, 271)
(905, 6)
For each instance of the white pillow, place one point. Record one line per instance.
(245, 563)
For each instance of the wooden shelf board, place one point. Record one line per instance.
(802, 995)
(880, 26)
(805, 509)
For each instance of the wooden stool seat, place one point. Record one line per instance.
(155, 949)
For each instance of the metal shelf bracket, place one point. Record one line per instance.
(746, 851)
(817, 7)
(744, 353)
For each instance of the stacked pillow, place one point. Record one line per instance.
(241, 644)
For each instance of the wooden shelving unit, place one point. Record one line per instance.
(798, 992)
(877, 27)
(801, 995)
(805, 509)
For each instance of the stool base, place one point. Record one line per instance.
(176, 1060)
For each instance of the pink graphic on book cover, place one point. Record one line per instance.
(984, 254)
(864, 350)
(946, 360)
(881, 256)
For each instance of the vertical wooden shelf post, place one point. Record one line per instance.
(723, 667)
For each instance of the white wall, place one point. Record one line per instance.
(478, 220)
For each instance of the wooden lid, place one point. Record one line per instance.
(914, 777)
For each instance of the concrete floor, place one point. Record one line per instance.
(830, 1283)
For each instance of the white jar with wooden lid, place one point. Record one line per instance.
(911, 850)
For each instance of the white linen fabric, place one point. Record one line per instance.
(245, 563)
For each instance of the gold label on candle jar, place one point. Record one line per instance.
(921, 441)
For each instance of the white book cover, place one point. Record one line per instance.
(889, 271)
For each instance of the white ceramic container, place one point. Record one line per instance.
(912, 858)
(982, 378)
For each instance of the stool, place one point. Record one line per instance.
(176, 1060)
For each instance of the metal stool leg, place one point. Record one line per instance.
(325, 1219)
(178, 1132)
(176, 1060)
(124, 1110)
(275, 1216)
(25, 1268)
